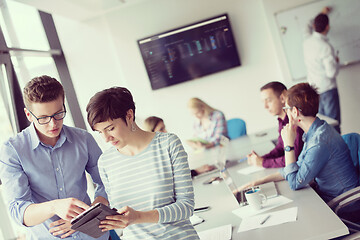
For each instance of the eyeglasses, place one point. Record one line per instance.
(45, 120)
(286, 108)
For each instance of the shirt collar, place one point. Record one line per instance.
(35, 141)
(321, 36)
(312, 129)
(285, 120)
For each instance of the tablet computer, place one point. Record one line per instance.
(88, 221)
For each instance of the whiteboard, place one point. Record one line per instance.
(344, 34)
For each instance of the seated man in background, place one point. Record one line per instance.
(273, 95)
(325, 158)
(42, 168)
(156, 124)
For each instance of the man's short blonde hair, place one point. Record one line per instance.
(41, 90)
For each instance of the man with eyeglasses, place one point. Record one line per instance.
(43, 167)
(273, 96)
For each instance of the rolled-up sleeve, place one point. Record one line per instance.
(15, 183)
(301, 173)
(92, 166)
(183, 206)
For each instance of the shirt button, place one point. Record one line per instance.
(61, 189)
(57, 169)
(74, 236)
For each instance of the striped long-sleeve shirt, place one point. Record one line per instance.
(157, 178)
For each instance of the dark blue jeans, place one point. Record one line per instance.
(330, 105)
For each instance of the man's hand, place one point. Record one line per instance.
(247, 186)
(288, 134)
(101, 200)
(68, 208)
(62, 227)
(254, 159)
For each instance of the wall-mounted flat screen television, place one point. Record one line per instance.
(189, 52)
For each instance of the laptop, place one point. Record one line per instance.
(269, 189)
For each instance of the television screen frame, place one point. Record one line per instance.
(189, 52)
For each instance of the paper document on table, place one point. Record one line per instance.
(250, 170)
(246, 211)
(195, 220)
(271, 219)
(219, 233)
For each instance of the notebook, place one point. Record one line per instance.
(269, 189)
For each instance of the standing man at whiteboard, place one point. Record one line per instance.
(322, 65)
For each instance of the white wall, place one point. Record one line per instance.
(103, 52)
(348, 79)
(235, 91)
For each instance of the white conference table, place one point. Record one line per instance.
(315, 219)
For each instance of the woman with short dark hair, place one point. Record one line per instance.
(145, 174)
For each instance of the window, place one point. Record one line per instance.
(29, 47)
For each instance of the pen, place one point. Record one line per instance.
(242, 159)
(265, 219)
(202, 209)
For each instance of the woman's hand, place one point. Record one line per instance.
(195, 144)
(127, 217)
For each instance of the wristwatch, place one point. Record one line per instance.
(288, 148)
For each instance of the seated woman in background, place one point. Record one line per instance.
(209, 126)
(156, 124)
(146, 175)
(325, 156)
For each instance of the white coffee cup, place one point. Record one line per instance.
(255, 198)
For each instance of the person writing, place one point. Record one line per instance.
(42, 168)
(273, 95)
(145, 174)
(325, 157)
(209, 126)
(156, 124)
(322, 64)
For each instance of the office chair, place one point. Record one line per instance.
(353, 195)
(236, 128)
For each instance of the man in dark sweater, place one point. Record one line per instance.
(273, 96)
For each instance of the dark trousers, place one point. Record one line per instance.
(330, 105)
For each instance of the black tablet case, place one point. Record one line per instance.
(88, 222)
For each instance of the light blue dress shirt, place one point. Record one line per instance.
(326, 158)
(32, 172)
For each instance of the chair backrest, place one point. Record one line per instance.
(236, 128)
(353, 142)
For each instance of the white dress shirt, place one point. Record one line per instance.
(320, 61)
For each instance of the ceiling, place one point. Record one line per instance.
(78, 9)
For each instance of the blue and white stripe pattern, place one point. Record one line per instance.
(156, 178)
